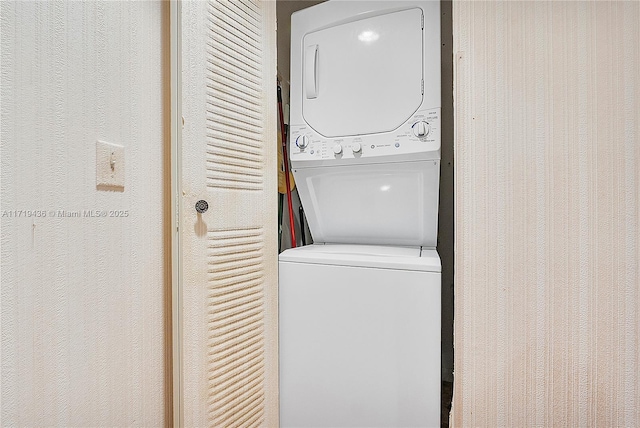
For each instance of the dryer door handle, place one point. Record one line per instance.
(311, 71)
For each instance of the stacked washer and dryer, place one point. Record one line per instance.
(359, 310)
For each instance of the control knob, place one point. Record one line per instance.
(302, 142)
(356, 147)
(421, 129)
(337, 149)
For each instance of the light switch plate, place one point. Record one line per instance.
(109, 165)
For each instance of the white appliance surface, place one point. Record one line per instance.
(375, 256)
(387, 203)
(365, 120)
(359, 346)
(366, 74)
(364, 67)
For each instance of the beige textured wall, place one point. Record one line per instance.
(82, 298)
(547, 311)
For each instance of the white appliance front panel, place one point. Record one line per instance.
(367, 80)
(370, 256)
(363, 76)
(397, 146)
(383, 204)
(358, 347)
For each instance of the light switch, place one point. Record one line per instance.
(109, 165)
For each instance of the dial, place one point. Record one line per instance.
(421, 129)
(356, 147)
(302, 142)
(337, 149)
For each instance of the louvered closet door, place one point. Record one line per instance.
(229, 253)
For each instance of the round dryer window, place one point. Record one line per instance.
(363, 76)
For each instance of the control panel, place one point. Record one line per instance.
(419, 135)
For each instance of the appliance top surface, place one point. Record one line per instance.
(337, 12)
(371, 256)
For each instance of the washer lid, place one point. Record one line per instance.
(371, 256)
(363, 76)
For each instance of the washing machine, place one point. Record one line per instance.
(359, 337)
(359, 310)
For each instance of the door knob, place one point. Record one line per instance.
(202, 206)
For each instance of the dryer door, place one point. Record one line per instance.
(364, 76)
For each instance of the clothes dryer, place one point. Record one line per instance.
(365, 120)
